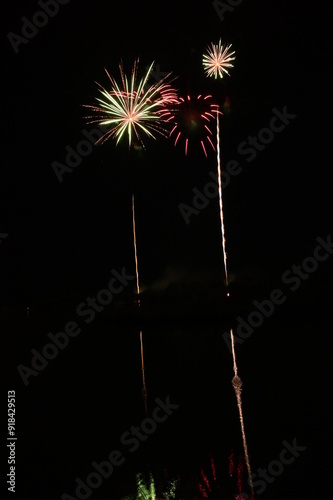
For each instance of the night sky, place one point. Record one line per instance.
(63, 237)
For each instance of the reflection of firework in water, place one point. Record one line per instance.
(194, 116)
(133, 107)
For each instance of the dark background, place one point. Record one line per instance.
(64, 238)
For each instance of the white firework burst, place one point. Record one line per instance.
(134, 107)
(217, 59)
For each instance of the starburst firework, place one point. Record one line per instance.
(134, 106)
(218, 59)
(193, 116)
(215, 63)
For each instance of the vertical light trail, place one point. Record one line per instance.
(236, 381)
(220, 197)
(135, 253)
(144, 388)
(233, 352)
(237, 385)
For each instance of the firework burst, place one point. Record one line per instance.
(216, 62)
(217, 59)
(193, 117)
(134, 107)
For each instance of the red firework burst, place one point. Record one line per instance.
(193, 116)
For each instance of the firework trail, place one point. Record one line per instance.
(135, 253)
(233, 353)
(133, 107)
(220, 199)
(237, 385)
(216, 61)
(144, 388)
